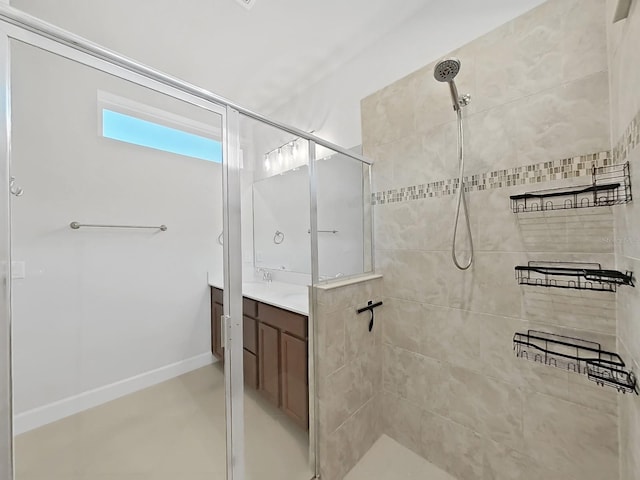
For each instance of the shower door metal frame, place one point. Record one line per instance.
(6, 384)
(231, 197)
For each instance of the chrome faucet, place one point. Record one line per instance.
(266, 275)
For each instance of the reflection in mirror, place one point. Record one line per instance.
(281, 203)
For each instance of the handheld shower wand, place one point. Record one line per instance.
(445, 71)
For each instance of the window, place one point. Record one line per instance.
(138, 131)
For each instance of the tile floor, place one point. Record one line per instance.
(388, 460)
(171, 431)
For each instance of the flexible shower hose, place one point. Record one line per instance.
(461, 199)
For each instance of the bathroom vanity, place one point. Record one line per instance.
(275, 347)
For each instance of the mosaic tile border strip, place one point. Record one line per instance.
(629, 140)
(579, 166)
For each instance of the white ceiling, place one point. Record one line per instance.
(284, 45)
(252, 57)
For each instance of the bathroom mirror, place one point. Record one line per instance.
(281, 212)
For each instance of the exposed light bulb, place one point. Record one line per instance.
(280, 156)
(267, 164)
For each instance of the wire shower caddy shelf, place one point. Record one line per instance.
(610, 185)
(578, 356)
(579, 276)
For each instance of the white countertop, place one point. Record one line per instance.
(288, 296)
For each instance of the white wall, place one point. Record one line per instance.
(98, 307)
(331, 107)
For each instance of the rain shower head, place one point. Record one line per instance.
(446, 70)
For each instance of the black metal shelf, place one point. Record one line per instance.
(610, 185)
(580, 276)
(576, 355)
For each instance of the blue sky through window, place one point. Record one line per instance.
(153, 135)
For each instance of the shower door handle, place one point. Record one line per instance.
(224, 322)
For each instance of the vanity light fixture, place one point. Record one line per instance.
(291, 150)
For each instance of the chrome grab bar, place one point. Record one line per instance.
(77, 225)
(324, 231)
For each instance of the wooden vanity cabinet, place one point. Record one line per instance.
(275, 353)
(216, 323)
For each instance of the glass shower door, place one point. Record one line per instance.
(113, 242)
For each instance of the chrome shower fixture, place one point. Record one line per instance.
(445, 71)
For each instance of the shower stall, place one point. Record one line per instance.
(118, 241)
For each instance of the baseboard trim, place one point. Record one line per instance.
(37, 417)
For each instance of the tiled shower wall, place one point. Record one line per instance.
(349, 365)
(624, 67)
(452, 388)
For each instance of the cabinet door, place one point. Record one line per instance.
(249, 334)
(216, 331)
(268, 363)
(250, 369)
(295, 387)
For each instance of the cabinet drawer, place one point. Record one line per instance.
(283, 320)
(216, 295)
(250, 334)
(250, 369)
(249, 307)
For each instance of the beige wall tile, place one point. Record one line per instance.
(406, 324)
(349, 365)
(584, 310)
(342, 449)
(504, 463)
(625, 72)
(627, 240)
(451, 446)
(571, 439)
(628, 308)
(568, 120)
(401, 420)
(389, 114)
(416, 378)
(347, 390)
(629, 411)
(584, 43)
(523, 59)
(331, 340)
(491, 407)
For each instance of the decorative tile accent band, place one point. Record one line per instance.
(629, 140)
(528, 174)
